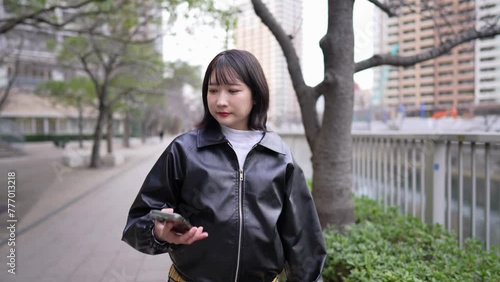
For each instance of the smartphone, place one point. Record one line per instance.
(181, 225)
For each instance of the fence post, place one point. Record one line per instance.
(435, 182)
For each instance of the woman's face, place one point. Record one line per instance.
(230, 104)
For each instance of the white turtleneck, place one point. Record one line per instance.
(242, 141)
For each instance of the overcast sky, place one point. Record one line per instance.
(200, 47)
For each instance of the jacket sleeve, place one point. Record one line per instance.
(159, 190)
(300, 230)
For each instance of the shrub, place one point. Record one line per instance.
(51, 137)
(384, 245)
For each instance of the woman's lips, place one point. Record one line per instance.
(223, 114)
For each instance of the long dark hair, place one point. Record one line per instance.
(235, 64)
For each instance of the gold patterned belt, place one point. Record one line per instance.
(174, 275)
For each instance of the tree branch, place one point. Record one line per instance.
(36, 20)
(284, 41)
(403, 61)
(304, 93)
(386, 8)
(10, 23)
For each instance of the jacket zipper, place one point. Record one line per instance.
(240, 209)
(240, 213)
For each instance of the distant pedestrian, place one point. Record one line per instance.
(235, 180)
(161, 135)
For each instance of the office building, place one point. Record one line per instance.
(254, 36)
(445, 82)
(487, 63)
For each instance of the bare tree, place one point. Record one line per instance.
(330, 139)
(6, 58)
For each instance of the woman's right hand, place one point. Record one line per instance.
(163, 232)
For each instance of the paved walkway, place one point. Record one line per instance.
(72, 231)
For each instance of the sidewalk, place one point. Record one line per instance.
(73, 231)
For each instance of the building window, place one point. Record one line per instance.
(488, 79)
(429, 37)
(445, 83)
(445, 93)
(466, 71)
(487, 48)
(465, 62)
(487, 6)
(487, 59)
(487, 90)
(444, 64)
(487, 17)
(465, 51)
(411, 22)
(445, 103)
(446, 73)
(489, 100)
(487, 69)
(466, 81)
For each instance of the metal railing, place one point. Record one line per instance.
(449, 179)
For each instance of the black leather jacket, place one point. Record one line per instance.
(258, 217)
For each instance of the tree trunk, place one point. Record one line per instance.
(332, 154)
(331, 143)
(126, 130)
(95, 158)
(332, 176)
(109, 136)
(80, 124)
(143, 131)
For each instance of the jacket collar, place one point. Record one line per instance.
(212, 136)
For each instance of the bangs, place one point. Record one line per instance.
(224, 73)
(233, 67)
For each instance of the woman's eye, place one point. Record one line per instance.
(233, 90)
(212, 91)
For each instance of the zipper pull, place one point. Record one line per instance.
(241, 174)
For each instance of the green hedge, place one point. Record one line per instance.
(67, 137)
(387, 246)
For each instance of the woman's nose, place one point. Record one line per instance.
(222, 99)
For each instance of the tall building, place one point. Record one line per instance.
(254, 36)
(443, 83)
(487, 62)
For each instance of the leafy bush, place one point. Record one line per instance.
(51, 137)
(387, 246)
